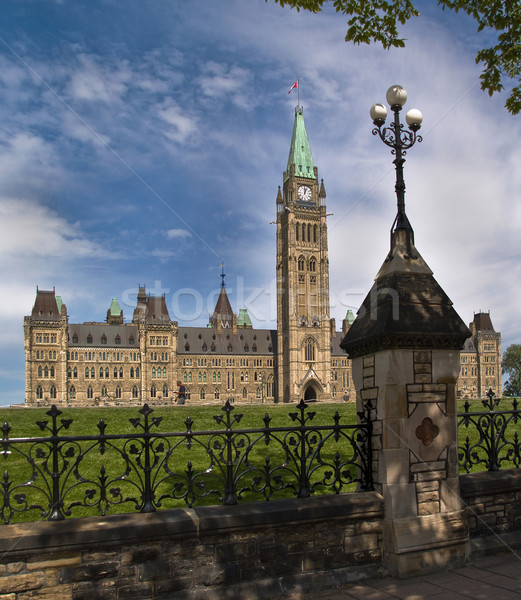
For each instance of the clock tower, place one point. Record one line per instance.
(303, 323)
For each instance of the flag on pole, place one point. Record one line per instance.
(295, 85)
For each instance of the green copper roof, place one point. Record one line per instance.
(350, 317)
(115, 310)
(243, 320)
(59, 302)
(300, 152)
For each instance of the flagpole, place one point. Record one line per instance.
(298, 92)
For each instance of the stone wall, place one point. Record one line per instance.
(254, 550)
(493, 507)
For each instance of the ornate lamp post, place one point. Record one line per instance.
(400, 140)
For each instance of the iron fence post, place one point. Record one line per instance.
(148, 496)
(303, 475)
(229, 488)
(56, 502)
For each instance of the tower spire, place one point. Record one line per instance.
(223, 274)
(300, 150)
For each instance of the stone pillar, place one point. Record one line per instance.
(405, 346)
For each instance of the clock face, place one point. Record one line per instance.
(304, 193)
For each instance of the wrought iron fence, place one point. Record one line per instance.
(492, 441)
(56, 476)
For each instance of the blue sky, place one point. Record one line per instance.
(143, 142)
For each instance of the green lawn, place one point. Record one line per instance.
(96, 479)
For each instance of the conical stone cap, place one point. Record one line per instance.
(406, 307)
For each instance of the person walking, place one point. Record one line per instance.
(181, 394)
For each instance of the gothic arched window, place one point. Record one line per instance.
(309, 350)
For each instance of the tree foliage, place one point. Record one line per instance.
(378, 21)
(511, 365)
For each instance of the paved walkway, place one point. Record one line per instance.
(490, 578)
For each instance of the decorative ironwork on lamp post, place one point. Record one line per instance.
(400, 140)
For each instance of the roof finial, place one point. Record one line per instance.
(223, 274)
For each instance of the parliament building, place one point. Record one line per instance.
(141, 360)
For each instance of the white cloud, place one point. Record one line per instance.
(94, 82)
(30, 230)
(181, 126)
(223, 81)
(27, 160)
(178, 234)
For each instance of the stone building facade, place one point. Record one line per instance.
(480, 359)
(141, 360)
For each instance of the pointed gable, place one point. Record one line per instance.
(223, 310)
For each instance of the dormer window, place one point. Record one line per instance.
(131, 340)
(103, 339)
(74, 339)
(89, 339)
(205, 347)
(118, 340)
(187, 347)
(246, 348)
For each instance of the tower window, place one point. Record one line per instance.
(309, 350)
(297, 227)
(301, 263)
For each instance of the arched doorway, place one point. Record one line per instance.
(310, 395)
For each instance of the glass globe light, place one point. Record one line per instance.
(414, 119)
(396, 95)
(378, 113)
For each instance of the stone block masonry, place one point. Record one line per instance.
(493, 507)
(249, 551)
